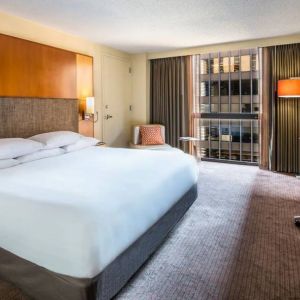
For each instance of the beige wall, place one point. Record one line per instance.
(25, 29)
(281, 40)
(139, 100)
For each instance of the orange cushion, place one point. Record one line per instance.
(151, 135)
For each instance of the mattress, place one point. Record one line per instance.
(74, 214)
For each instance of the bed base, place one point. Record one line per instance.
(42, 284)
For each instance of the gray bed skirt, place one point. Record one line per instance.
(42, 284)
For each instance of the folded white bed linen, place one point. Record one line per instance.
(74, 214)
(8, 163)
(44, 153)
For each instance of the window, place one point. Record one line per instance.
(226, 108)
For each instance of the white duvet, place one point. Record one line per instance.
(75, 213)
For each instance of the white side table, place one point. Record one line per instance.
(101, 144)
(192, 141)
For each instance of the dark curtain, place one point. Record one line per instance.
(281, 115)
(170, 96)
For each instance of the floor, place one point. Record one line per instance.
(237, 241)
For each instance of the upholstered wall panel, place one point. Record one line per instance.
(24, 117)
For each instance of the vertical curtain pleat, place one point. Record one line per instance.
(285, 112)
(169, 96)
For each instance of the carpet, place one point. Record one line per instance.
(237, 241)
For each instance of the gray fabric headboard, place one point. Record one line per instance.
(24, 117)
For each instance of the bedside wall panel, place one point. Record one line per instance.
(84, 66)
(84, 89)
(33, 70)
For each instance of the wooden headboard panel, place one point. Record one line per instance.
(25, 117)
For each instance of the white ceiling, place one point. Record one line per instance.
(152, 25)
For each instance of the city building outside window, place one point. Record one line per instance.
(226, 105)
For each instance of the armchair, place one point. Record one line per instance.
(136, 139)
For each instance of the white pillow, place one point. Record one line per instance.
(56, 139)
(84, 142)
(7, 163)
(14, 147)
(40, 154)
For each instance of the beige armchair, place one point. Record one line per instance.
(136, 142)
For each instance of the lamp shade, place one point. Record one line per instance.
(90, 105)
(289, 88)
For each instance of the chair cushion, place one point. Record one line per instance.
(150, 147)
(151, 135)
(137, 139)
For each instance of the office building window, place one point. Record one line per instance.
(226, 105)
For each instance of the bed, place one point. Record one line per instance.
(79, 225)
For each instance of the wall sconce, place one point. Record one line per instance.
(90, 109)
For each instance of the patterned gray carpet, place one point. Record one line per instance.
(236, 242)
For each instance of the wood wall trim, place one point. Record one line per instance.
(84, 65)
(33, 70)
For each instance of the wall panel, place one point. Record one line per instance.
(84, 65)
(30, 69)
